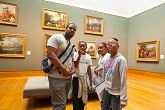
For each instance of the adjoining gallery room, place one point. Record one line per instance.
(60, 54)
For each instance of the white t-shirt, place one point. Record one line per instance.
(59, 42)
(85, 61)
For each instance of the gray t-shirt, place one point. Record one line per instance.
(59, 42)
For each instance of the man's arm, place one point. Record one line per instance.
(54, 59)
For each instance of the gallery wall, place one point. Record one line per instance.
(30, 24)
(147, 26)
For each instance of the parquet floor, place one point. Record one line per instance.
(144, 93)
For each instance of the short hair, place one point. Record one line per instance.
(82, 42)
(115, 39)
(70, 24)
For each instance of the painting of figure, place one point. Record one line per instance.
(147, 51)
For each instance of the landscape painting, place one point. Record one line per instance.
(12, 45)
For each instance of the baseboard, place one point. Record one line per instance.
(17, 73)
(146, 73)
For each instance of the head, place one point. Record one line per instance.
(70, 30)
(82, 46)
(102, 48)
(113, 46)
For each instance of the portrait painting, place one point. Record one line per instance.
(54, 19)
(93, 25)
(147, 51)
(12, 45)
(8, 13)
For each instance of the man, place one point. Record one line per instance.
(60, 77)
(115, 69)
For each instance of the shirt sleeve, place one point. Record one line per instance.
(53, 41)
(75, 56)
(89, 62)
(123, 75)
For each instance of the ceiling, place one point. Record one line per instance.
(123, 8)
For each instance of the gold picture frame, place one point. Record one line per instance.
(91, 48)
(12, 45)
(54, 19)
(46, 37)
(93, 25)
(8, 13)
(148, 51)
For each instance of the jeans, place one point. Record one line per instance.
(110, 100)
(59, 88)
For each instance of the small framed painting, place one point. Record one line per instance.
(147, 51)
(46, 37)
(54, 19)
(8, 13)
(91, 48)
(12, 45)
(93, 25)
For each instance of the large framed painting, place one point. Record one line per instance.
(93, 25)
(148, 51)
(54, 19)
(91, 48)
(12, 45)
(46, 37)
(8, 13)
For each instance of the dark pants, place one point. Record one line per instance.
(77, 102)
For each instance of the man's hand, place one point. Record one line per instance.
(66, 72)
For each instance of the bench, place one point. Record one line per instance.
(37, 87)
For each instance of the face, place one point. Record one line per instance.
(112, 46)
(82, 47)
(102, 49)
(70, 30)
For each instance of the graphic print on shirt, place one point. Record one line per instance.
(109, 75)
(83, 65)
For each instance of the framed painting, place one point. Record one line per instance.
(46, 37)
(93, 25)
(12, 45)
(8, 13)
(54, 19)
(91, 48)
(147, 51)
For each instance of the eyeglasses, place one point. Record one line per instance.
(112, 43)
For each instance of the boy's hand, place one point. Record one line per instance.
(81, 52)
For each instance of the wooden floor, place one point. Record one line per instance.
(144, 93)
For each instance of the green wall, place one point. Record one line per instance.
(147, 26)
(29, 24)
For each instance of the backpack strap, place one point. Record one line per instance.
(64, 50)
(62, 53)
(66, 58)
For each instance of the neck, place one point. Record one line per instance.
(113, 54)
(103, 54)
(66, 37)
